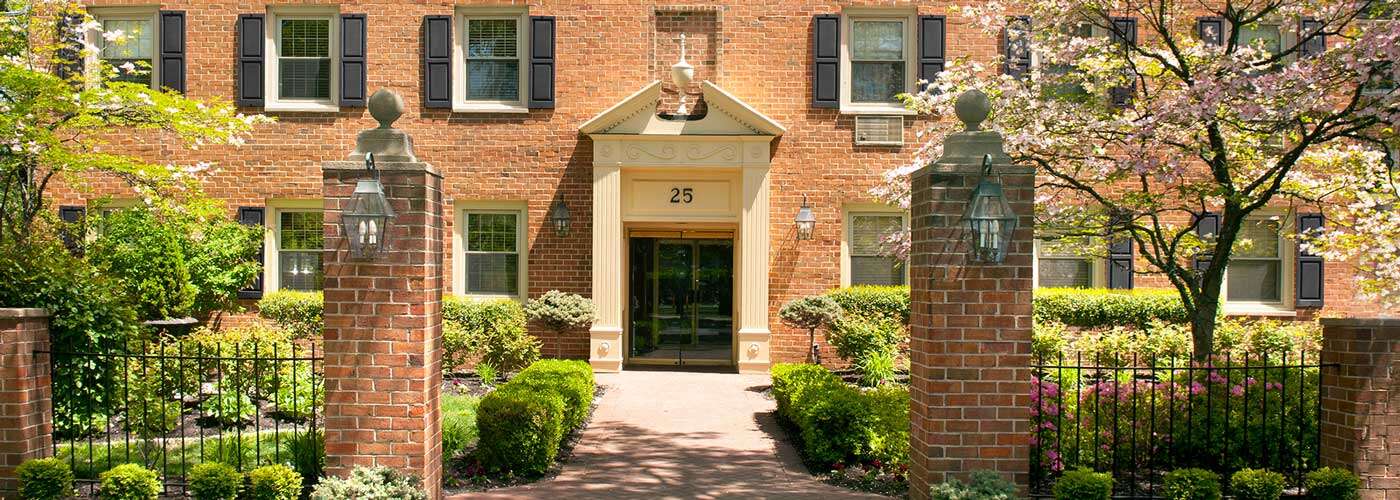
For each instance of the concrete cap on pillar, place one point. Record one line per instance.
(386, 142)
(970, 146)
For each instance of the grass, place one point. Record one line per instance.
(174, 458)
(458, 423)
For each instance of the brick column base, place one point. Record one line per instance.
(1360, 410)
(26, 430)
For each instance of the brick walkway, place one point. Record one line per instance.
(665, 434)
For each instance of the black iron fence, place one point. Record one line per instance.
(1141, 418)
(171, 405)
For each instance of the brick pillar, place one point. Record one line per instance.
(1361, 401)
(383, 333)
(26, 430)
(971, 323)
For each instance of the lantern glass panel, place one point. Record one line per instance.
(366, 219)
(990, 221)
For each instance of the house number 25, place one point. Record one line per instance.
(682, 195)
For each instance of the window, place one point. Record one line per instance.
(1056, 266)
(488, 75)
(1269, 37)
(1256, 269)
(126, 40)
(299, 235)
(491, 263)
(302, 72)
(878, 61)
(869, 263)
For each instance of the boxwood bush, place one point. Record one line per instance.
(128, 482)
(45, 479)
(273, 482)
(837, 422)
(522, 424)
(1084, 484)
(1098, 307)
(875, 303)
(1257, 484)
(1191, 484)
(486, 330)
(300, 313)
(214, 481)
(1333, 484)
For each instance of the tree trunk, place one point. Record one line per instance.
(1203, 329)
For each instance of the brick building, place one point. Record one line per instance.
(681, 198)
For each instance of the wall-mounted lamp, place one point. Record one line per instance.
(559, 215)
(806, 222)
(989, 218)
(367, 216)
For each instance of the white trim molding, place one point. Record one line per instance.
(850, 211)
(272, 236)
(271, 77)
(907, 16)
(460, 209)
(463, 15)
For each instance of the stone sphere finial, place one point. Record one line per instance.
(385, 106)
(972, 107)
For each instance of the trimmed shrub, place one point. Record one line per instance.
(1098, 307)
(300, 313)
(520, 429)
(486, 330)
(128, 482)
(1191, 484)
(1331, 483)
(890, 406)
(1256, 484)
(571, 379)
(983, 485)
(214, 481)
(790, 380)
(273, 482)
(874, 303)
(811, 312)
(44, 479)
(858, 339)
(1084, 484)
(365, 483)
(839, 423)
(835, 424)
(562, 311)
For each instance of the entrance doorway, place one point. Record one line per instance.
(681, 308)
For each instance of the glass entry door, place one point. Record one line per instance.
(682, 301)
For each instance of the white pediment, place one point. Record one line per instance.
(725, 115)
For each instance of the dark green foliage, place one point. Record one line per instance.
(147, 257)
(44, 479)
(811, 312)
(306, 453)
(273, 482)
(300, 313)
(486, 330)
(1084, 484)
(364, 483)
(1097, 307)
(874, 303)
(838, 422)
(520, 430)
(983, 485)
(835, 424)
(128, 482)
(214, 481)
(222, 258)
(1256, 484)
(865, 342)
(1331, 483)
(1191, 484)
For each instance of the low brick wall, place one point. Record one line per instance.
(1361, 401)
(26, 430)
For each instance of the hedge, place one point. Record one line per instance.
(837, 422)
(873, 303)
(1098, 307)
(301, 313)
(492, 331)
(522, 424)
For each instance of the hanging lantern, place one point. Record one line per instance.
(367, 217)
(989, 218)
(560, 217)
(806, 222)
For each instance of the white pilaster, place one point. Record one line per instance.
(754, 335)
(605, 344)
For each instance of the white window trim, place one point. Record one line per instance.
(272, 237)
(460, 104)
(459, 245)
(911, 63)
(94, 38)
(848, 212)
(1098, 269)
(273, 35)
(1287, 261)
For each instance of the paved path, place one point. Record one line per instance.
(666, 434)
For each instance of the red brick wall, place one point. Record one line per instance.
(25, 404)
(1360, 414)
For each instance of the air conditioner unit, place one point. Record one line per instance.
(878, 130)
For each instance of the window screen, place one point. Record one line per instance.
(128, 45)
(300, 237)
(869, 263)
(877, 60)
(1060, 268)
(493, 63)
(492, 255)
(304, 60)
(1255, 273)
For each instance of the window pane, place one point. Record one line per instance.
(306, 38)
(134, 42)
(876, 271)
(868, 233)
(300, 270)
(491, 232)
(1254, 281)
(493, 80)
(305, 78)
(493, 273)
(140, 71)
(1269, 35)
(876, 81)
(301, 231)
(1262, 236)
(490, 38)
(1072, 273)
(877, 41)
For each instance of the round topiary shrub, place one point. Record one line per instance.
(562, 311)
(1256, 484)
(128, 482)
(1333, 484)
(214, 481)
(1191, 484)
(45, 479)
(1084, 484)
(273, 482)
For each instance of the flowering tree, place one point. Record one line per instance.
(1142, 118)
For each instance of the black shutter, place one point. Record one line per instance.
(70, 50)
(1309, 279)
(1316, 45)
(74, 230)
(932, 42)
(826, 61)
(352, 60)
(1120, 264)
(251, 65)
(172, 50)
(437, 61)
(1125, 35)
(253, 216)
(1016, 46)
(1211, 30)
(541, 62)
(1207, 225)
